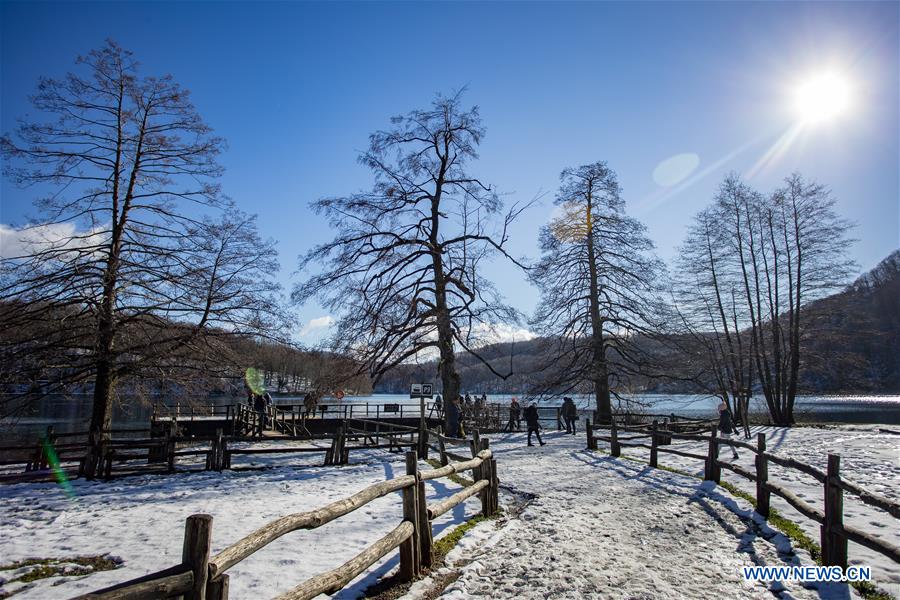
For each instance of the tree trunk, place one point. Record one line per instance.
(600, 369)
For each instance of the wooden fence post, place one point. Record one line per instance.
(426, 553)
(443, 448)
(558, 419)
(711, 470)
(409, 549)
(762, 477)
(423, 439)
(834, 542)
(217, 589)
(614, 448)
(195, 555)
(654, 440)
(484, 474)
(496, 485)
(591, 442)
(170, 453)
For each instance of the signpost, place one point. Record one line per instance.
(421, 391)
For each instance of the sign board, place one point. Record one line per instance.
(421, 390)
(391, 408)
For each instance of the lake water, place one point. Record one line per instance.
(73, 413)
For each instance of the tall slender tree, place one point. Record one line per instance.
(123, 276)
(598, 282)
(772, 255)
(403, 272)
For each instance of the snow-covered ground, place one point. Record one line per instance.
(141, 519)
(595, 526)
(605, 527)
(869, 458)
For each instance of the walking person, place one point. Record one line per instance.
(726, 427)
(533, 422)
(515, 415)
(570, 414)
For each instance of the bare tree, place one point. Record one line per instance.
(598, 280)
(123, 277)
(403, 271)
(768, 256)
(709, 316)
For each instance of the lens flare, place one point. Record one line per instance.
(254, 380)
(58, 474)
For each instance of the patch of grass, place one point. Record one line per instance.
(444, 545)
(54, 567)
(798, 537)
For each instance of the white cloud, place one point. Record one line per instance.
(495, 333)
(32, 239)
(316, 324)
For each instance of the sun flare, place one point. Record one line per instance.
(822, 97)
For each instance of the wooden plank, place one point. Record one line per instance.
(270, 532)
(871, 542)
(682, 453)
(797, 503)
(161, 584)
(334, 580)
(870, 498)
(790, 463)
(737, 469)
(439, 508)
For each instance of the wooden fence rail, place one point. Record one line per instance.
(201, 577)
(834, 533)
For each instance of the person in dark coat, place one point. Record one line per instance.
(259, 405)
(515, 415)
(569, 414)
(451, 418)
(725, 426)
(534, 425)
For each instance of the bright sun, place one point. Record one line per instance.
(822, 97)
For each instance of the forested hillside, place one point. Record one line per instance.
(857, 351)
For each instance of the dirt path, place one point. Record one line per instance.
(613, 528)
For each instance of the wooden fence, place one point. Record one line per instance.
(834, 533)
(200, 576)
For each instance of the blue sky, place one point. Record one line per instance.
(296, 88)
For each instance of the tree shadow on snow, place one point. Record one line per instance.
(716, 502)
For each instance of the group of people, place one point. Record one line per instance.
(458, 408)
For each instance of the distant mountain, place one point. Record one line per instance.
(858, 349)
(854, 346)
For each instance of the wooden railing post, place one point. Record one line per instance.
(495, 488)
(217, 589)
(443, 448)
(614, 448)
(591, 441)
(484, 474)
(426, 552)
(654, 440)
(410, 562)
(762, 477)
(711, 470)
(558, 419)
(834, 542)
(195, 555)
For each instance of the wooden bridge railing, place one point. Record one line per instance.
(200, 577)
(834, 533)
